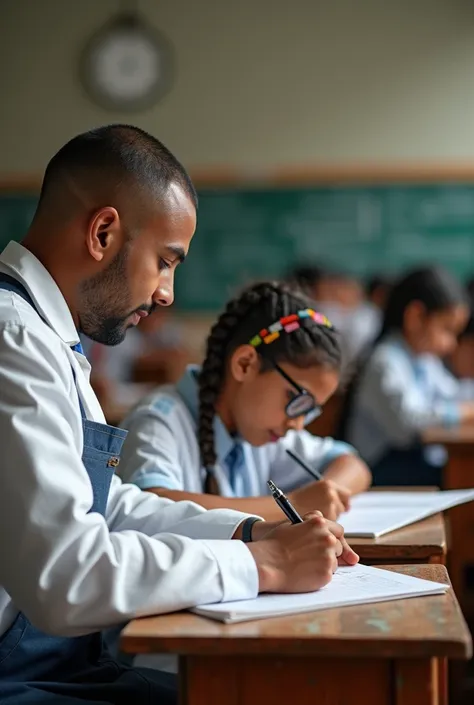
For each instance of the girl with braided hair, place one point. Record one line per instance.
(223, 431)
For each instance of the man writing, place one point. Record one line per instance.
(79, 551)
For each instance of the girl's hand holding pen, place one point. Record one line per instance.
(325, 495)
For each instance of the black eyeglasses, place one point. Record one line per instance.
(303, 403)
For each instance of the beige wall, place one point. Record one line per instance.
(261, 83)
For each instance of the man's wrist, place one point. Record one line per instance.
(246, 529)
(268, 575)
(260, 529)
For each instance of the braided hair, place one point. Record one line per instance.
(257, 307)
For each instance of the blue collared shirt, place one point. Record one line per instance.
(398, 396)
(162, 449)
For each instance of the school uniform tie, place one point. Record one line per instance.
(235, 463)
(77, 348)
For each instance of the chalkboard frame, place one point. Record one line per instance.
(347, 174)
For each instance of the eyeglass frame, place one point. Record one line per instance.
(310, 415)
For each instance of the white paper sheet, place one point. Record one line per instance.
(374, 514)
(350, 586)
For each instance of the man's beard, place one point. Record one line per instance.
(101, 298)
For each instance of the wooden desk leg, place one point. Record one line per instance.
(443, 681)
(417, 682)
(460, 524)
(458, 475)
(227, 680)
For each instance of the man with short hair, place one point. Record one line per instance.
(79, 550)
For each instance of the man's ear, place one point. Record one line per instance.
(104, 236)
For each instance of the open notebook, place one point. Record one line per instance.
(354, 585)
(373, 514)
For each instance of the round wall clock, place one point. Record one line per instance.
(127, 65)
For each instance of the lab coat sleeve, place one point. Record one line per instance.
(130, 508)
(65, 568)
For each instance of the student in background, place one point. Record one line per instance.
(222, 432)
(377, 291)
(336, 292)
(461, 361)
(307, 279)
(470, 288)
(153, 351)
(364, 325)
(370, 314)
(404, 387)
(155, 345)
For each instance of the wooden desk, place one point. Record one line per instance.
(423, 542)
(391, 653)
(459, 474)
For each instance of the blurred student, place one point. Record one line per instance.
(378, 290)
(155, 345)
(404, 387)
(461, 361)
(329, 289)
(470, 288)
(223, 431)
(366, 323)
(153, 351)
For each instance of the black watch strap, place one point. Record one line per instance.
(247, 527)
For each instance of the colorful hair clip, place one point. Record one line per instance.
(288, 324)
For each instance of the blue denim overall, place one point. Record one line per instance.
(38, 668)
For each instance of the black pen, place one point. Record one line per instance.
(284, 503)
(303, 464)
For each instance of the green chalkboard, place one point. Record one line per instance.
(245, 234)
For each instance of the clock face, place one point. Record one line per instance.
(126, 68)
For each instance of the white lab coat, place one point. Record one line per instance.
(70, 571)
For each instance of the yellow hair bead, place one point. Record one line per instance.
(270, 338)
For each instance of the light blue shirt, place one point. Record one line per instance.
(398, 396)
(162, 449)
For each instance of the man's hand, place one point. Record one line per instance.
(300, 557)
(347, 556)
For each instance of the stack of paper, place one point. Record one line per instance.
(374, 514)
(355, 585)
